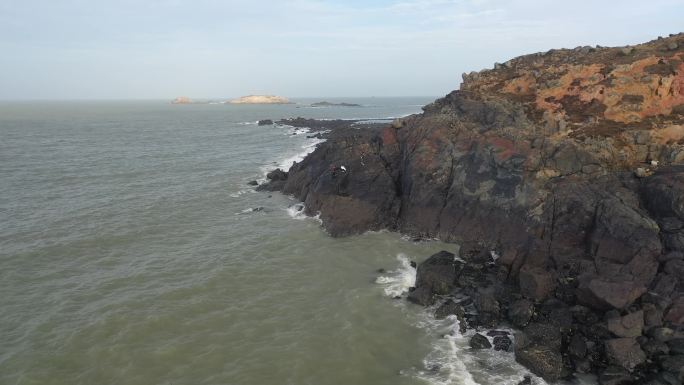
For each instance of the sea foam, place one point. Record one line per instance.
(450, 360)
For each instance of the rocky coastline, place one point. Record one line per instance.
(561, 177)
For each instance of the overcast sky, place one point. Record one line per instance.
(89, 49)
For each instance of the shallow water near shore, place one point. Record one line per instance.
(131, 253)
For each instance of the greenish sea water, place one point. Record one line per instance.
(130, 254)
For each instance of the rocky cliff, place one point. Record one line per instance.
(569, 166)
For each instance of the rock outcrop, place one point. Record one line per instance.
(569, 166)
(182, 100)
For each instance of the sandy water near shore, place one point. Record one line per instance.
(130, 254)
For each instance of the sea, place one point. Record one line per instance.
(134, 252)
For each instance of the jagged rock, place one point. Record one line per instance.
(675, 267)
(265, 122)
(437, 273)
(478, 341)
(421, 296)
(602, 293)
(277, 175)
(488, 307)
(675, 315)
(625, 352)
(536, 283)
(520, 312)
(542, 361)
(253, 183)
(676, 346)
(544, 334)
(630, 325)
(502, 343)
(577, 346)
(449, 308)
(674, 364)
(653, 317)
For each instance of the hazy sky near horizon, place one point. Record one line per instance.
(89, 49)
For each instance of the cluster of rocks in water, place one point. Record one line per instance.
(569, 165)
(638, 344)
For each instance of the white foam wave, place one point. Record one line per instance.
(398, 281)
(451, 361)
(249, 123)
(296, 211)
(308, 147)
(242, 192)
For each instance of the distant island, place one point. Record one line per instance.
(182, 100)
(260, 99)
(328, 104)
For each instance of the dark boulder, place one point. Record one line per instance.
(421, 296)
(488, 307)
(437, 273)
(676, 346)
(605, 293)
(542, 361)
(452, 308)
(502, 343)
(253, 183)
(544, 334)
(536, 283)
(674, 364)
(277, 175)
(577, 346)
(265, 122)
(675, 314)
(654, 348)
(478, 341)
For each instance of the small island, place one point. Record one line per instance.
(260, 99)
(182, 100)
(328, 104)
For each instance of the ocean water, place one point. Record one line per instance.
(130, 253)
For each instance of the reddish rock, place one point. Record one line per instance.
(625, 352)
(630, 325)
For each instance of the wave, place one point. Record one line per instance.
(284, 164)
(242, 192)
(400, 280)
(297, 211)
(450, 360)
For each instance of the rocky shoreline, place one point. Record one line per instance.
(561, 175)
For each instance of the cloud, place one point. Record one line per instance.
(298, 47)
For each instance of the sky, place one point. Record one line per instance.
(160, 49)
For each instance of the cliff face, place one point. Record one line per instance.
(569, 164)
